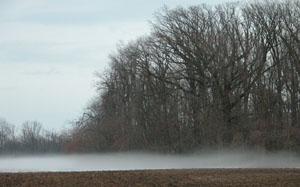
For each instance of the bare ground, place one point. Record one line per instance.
(184, 177)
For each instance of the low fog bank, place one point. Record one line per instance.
(140, 161)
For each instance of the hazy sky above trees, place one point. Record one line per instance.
(49, 51)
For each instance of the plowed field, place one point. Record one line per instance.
(184, 177)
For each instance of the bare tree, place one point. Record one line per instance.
(7, 134)
(31, 135)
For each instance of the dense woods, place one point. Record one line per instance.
(226, 76)
(223, 76)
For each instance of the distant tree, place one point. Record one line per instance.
(7, 134)
(31, 135)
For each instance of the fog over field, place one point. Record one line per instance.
(140, 161)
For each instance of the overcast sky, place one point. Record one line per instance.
(50, 49)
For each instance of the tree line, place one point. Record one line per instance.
(225, 76)
(30, 138)
(222, 76)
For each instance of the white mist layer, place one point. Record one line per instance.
(141, 161)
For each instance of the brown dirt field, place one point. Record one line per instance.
(185, 177)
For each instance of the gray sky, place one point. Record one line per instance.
(50, 49)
